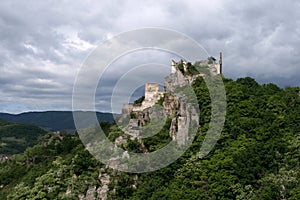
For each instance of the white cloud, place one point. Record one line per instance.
(43, 43)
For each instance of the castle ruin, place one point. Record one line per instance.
(134, 117)
(152, 95)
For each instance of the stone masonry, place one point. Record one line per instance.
(175, 106)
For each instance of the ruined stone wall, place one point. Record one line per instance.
(152, 95)
(174, 105)
(151, 91)
(126, 110)
(216, 69)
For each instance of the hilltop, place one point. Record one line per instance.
(256, 157)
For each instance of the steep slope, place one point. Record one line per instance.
(256, 157)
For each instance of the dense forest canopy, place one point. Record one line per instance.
(256, 157)
(16, 137)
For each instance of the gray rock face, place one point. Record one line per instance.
(175, 104)
(170, 104)
(90, 193)
(136, 118)
(103, 189)
(174, 81)
(102, 192)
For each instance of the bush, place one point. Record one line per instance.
(139, 101)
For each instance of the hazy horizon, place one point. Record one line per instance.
(44, 44)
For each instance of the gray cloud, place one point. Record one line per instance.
(44, 43)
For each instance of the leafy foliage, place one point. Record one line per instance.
(256, 157)
(139, 101)
(211, 60)
(16, 137)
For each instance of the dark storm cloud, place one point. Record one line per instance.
(265, 41)
(44, 43)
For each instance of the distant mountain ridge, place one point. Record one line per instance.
(52, 120)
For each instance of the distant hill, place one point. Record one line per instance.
(256, 156)
(51, 120)
(16, 137)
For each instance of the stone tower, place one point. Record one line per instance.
(174, 67)
(152, 92)
(220, 62)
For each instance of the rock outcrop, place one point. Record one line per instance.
(174, 104)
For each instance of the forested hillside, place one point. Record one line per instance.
(51, 120)
(16, 137)
(256, 157)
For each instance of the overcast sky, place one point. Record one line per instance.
(44, 43)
